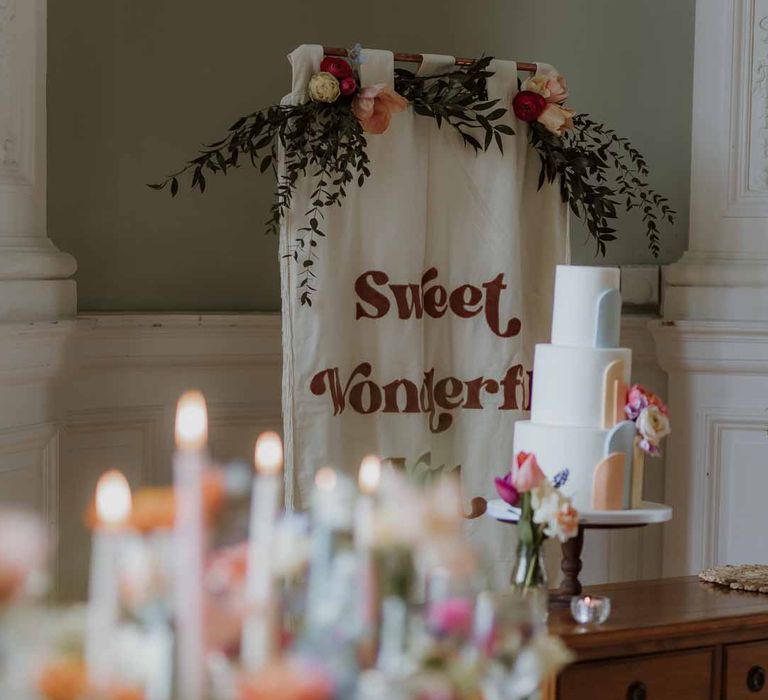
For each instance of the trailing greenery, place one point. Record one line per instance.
(325, 142)
(594, 168)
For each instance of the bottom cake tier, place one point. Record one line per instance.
(577, 449)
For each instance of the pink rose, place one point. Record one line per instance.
(556, 119)
(348, 86)
(558, 89)
(506, 491)
(526, 473)
(374, 105)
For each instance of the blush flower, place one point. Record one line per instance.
(556, 119)
(526, 473)
(528, 105)
(374, 105)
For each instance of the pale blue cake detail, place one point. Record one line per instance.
(608, 322)
(621, 438)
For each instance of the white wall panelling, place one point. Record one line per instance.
(714, 341)
(117, 402)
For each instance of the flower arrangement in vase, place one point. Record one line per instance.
(545, 512)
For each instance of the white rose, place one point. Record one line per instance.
(652, 424)
(323, 87)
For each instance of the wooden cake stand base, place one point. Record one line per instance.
(571, 564)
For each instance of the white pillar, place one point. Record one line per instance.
(37, 298)
(714, 339)
(34, 274)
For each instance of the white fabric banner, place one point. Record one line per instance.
(434, 282)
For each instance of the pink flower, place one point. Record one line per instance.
(374, 105)
(526, 473)
(638, 398)
(452, 616)
(348, 86)
(557, 88)
(556, 119)
(506, 491)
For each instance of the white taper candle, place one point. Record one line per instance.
(258, 642)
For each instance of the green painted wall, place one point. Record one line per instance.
(135, 85)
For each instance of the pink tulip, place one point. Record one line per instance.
(506, 491)
(526, 473)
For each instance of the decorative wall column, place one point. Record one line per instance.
(34, 282)
(37, 298)
(714, 339)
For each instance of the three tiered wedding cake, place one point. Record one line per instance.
(578, 420)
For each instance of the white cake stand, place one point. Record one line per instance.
(570, 565)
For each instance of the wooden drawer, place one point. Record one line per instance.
(676, 676)
(746, 671)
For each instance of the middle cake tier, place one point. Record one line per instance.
(569, 383)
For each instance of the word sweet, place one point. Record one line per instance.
(429, 297)
(435, 397)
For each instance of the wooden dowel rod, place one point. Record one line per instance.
(416, 58)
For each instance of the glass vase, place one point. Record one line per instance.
(529, 572)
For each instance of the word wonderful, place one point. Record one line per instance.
(376, 296)
(436, 398)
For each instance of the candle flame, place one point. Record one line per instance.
(370, 474)
(325, 479)
(268, 454)
(113, 498)
(191, 421)
(587, 599)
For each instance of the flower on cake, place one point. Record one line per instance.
(541, 100)
(651, 418)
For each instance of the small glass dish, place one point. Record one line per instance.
(590, 610)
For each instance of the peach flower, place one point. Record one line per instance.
(526, 473)
(551, 86)
(63, 679)
(286, 680)
(374, 105)
(557, 119)
(154, 507)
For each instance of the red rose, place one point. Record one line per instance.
(337, 67)
(528, 105)
(348, 86)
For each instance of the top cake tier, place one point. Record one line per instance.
(587, 310)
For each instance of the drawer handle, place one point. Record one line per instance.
(637, 691)
(756, 679)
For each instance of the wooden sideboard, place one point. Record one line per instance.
(670, 639)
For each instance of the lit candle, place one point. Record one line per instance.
(588, 610)
(113, 507)
(189, 463)
(368, 481)
(258, 627)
